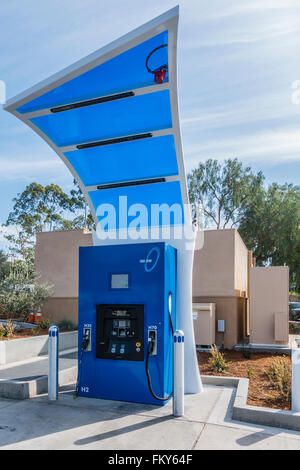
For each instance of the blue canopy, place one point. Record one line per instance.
(113, 118)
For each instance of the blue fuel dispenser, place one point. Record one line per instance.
(127, 305)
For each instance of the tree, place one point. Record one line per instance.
(295, 266)
(21, 292)
(48, 207)
(38, 207)
(21, 247)
(271, 227)
(268, 218)
(223, 190)
(84, 218)
(4, 265)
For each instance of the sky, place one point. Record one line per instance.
(237, 65)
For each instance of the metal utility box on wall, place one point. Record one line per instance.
(204, 323)
(125, 294)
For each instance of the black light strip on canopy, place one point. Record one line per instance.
(131, 183)
(82, 104)
(117, 140)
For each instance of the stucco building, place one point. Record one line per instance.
(220, 276)
(251, 301)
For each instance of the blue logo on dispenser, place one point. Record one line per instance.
(151, 263)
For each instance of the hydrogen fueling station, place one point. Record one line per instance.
(113, 119)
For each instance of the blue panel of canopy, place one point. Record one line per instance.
(135, 160)
(150, 196)
(112, 124)
(123, 117)
(124, 72)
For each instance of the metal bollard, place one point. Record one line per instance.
(53, 363)
(178, 396)
(296, 380)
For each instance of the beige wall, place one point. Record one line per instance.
(220, 275)
(221, 266)
(240, 265)
(269, 287)
(61, 308)
(56, 259)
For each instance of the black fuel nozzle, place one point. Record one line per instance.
(85, 341)
(150, 345)
(152, 342)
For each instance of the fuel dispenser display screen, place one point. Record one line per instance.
(119, 281)
(120, 332)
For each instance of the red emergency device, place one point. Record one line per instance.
(159, 76)
(160, 73)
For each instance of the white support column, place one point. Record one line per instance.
(178, 395)
(296, 380)
(53, 363)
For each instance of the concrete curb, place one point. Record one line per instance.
(284, 350)
(23, 389)
(253, 414)
(220, 381)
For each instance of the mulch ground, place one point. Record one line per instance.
(260, 391)
(30, 332)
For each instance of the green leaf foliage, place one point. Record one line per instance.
(223, 190)
(21, 292)
(268, 218)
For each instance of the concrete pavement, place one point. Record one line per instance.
(104, 424)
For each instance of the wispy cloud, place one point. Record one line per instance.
(21, 166)
(262, 110)
(276, 146)
(220, 10)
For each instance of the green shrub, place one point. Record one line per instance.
(2, 331)
(279, 374)
(35, 331)
(21, 293)
(249, 372)
(7, 330)
(44, 324)
(217, 360)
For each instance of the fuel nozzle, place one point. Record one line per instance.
(152, 342)
(86, 339)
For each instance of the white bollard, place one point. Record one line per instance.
(178, 396)
(53, 349)
(296, 380)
